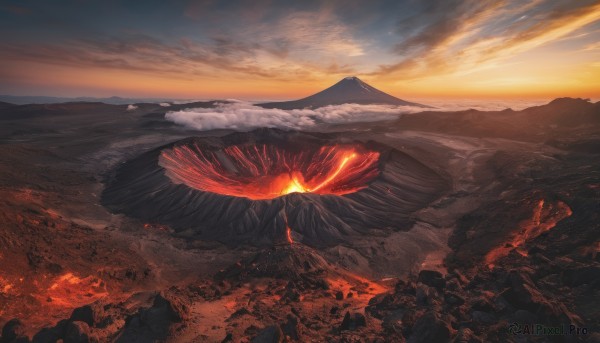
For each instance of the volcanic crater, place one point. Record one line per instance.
(270, 186)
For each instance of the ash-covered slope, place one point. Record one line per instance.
(553, 121)
(349, 90)
(5, 105)
(142, 189)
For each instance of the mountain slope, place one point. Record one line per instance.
(348, 90)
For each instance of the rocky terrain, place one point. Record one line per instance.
(512, 242)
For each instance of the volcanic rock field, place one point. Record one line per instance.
(118, 225)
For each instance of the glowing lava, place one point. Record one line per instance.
(263, 171)
(545, 216)
(288, 231)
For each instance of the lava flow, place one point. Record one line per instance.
(545, 216)
(260, 172)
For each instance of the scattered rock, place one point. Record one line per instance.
(481, 303)
(483, 317)
(270, 334)
(89, 314)
(523, 294)
(77, 332)
(228, 338)
(453, 299)
(432, 278)
(339, 295)
(393, 322)
(466, 335)
(13, 330)
(155, 323)
(322, 284)
(239, 313)
(46, 335)
(353, 321)
(430, 328)
(291, 328)
(291, 295)
(453, 285)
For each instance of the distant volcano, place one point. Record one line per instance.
(349, 90)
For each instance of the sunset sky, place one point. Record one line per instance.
(288, 49)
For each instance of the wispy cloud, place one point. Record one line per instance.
(461, 35)
(289, 42)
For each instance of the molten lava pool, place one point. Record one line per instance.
(271, 186)
(267, 171)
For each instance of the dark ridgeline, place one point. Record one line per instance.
(349, 90)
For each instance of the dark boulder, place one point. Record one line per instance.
(89, 314)
(239, 313)
(46, 335)
(480, 303)
(430, 328)
(228, 338)
(12, 331)
(77, 332)
(432, 278)
(270, 334)
(291, 328)
(393, 321)
(353, 321)
(453, 299)
(154, 323)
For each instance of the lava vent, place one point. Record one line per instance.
(270, 186)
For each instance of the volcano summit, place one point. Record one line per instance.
(349, 90)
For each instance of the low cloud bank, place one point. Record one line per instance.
(240, 115)
(245, 116)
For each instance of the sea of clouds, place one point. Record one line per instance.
(241, 115)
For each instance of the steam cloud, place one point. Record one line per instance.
(239, 115)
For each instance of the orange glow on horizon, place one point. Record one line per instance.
(540, 49)
(581, 81)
